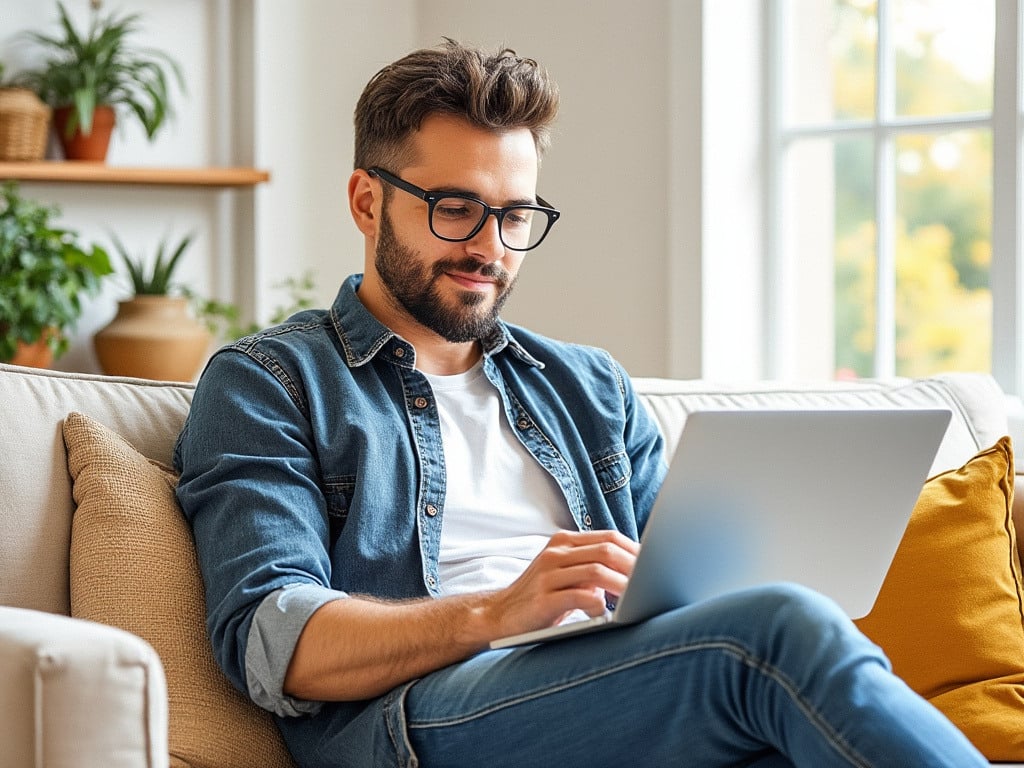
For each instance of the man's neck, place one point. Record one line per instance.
(447, 360)
(434, 353)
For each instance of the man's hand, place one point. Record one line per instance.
(576, 570)
(359, 647)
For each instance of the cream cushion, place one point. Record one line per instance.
(35, 491)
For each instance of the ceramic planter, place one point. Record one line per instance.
(153, 337)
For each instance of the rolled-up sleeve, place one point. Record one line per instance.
(274, 631)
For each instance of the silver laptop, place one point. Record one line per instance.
(816, 497)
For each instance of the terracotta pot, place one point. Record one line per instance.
(153, 337)
(92, 147)
(35, 355)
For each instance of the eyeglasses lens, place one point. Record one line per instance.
(455, 218)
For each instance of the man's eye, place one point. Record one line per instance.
(453, 210)
(518, 217)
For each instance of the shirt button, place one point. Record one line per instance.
(522, 423)
(420, 402)
(399, 352)
(587, 521)
(431, 581)
(431, 510)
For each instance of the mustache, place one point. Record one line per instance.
(470, 266)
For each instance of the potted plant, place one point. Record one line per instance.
(224, 319)
(88, 77)
(44, 276)
(153, 335)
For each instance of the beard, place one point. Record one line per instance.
(413, 287)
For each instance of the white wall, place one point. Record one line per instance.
(312, 60)
(600, 278)
(621, 269)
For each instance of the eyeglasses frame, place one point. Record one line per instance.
(431, 198)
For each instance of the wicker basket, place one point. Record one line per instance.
(24, 125)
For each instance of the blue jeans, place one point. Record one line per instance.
(774, 676)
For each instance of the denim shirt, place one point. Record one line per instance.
(312, 468)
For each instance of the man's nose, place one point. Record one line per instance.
(486, 244)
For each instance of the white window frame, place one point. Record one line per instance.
(1007, 136)
(781, 339)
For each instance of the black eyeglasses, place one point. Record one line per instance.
(454, 217)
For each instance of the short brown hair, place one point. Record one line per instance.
(499, 92)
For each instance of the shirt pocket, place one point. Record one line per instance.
(338, 491)
(613, 471)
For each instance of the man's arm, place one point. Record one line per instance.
(357, 648)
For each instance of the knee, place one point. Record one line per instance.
(794, 604)
(797, 616)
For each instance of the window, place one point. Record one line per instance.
(882, 132)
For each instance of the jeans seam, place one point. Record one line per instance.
(743, 655)
(399, 736)
(840, 744)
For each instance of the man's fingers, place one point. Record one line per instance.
(584, 538)
(584, 576)
(609, 554)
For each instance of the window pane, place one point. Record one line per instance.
(842, 34)
(855, 259)
(943, 55)
(943, 250)
(830, 237)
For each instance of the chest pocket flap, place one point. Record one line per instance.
(613, 471)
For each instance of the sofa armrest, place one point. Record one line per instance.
(78, 693)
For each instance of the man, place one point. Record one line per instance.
(379, 490)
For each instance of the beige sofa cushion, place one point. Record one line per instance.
(977, 403)
(133, 566)
(35, 493)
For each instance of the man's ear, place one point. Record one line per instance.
(365, 197)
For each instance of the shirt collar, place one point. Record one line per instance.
(363, 336)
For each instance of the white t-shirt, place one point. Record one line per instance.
(501, 506)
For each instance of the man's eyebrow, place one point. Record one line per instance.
(476, 196)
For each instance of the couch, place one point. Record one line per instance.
(102, 649)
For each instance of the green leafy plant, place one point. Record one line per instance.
(44, 274)
(100, 67)
(156, 279)
(224, 319)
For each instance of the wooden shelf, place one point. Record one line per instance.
(101, 173)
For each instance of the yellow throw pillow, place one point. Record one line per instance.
(133, 566)
(949, 614)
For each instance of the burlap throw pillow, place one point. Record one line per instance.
(133, 566)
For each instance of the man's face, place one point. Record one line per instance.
(457, 289)
(418, 287)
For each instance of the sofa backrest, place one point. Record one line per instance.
(35, 488)
(976, 400)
